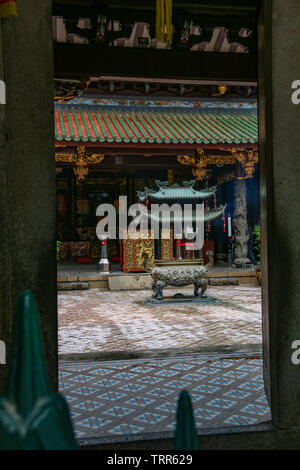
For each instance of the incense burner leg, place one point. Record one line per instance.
(154, 295)
(158, 289)
(202, 283)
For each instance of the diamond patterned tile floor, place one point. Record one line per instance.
(131, 397)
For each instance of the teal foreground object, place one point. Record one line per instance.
(31, 415)
(185, 434)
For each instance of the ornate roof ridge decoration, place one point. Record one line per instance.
(164, 103)
(175, 192)
(165, 184)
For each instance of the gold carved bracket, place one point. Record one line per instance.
(247, 157)
(198, 167)
(80, 160)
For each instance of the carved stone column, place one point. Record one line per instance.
(240, 224)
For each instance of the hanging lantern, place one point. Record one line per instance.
(215, 202)
(164, 21)
(224, 223)
(208, 226)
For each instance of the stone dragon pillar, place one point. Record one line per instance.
(240, 224)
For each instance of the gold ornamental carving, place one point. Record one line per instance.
(166, 249)
(129, 253)
(144, 246)
(247, 157)
(81, 161)
(222, 90)
(217, 159)
(170, 177)
(133, 250)
(81, 169)
(198, 166)
(249, 165)
(65, 157)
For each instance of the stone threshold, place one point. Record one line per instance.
(165, 439)
(255, 348)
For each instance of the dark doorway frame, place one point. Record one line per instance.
(27, 206)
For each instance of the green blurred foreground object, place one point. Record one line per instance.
(185, 434)
(31, 416)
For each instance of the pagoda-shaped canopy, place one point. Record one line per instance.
(208, 215)
(175, 192)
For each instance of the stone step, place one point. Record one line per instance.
(81, 277)
(72, 286)
(101, 286)
(67, 282)
(130, 282)
(137, 281)
(223, 281)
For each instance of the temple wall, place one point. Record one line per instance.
(280, 217)
(27, 172)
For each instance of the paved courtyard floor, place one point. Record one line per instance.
(130, 399)
(101, 322)
(113, 401)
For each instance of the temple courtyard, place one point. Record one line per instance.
(113, 401)
(123, 363)
(120, 325)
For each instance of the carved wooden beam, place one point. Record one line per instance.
(81, 161)
(247, 157)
